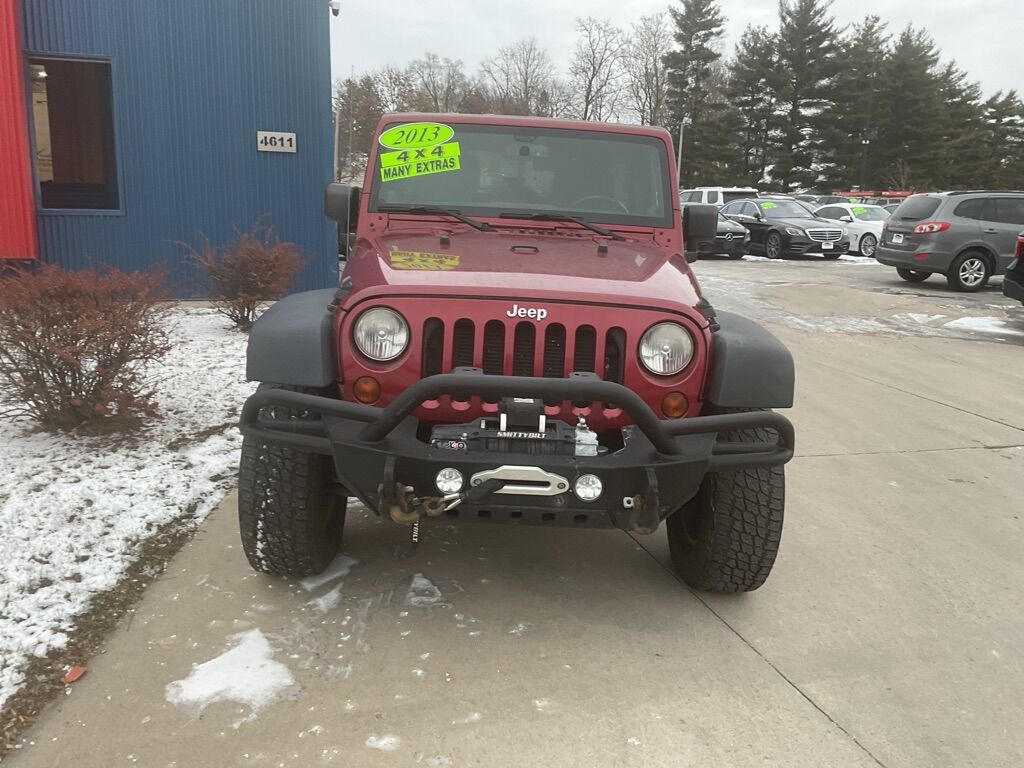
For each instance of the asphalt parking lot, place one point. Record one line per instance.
(888, 634)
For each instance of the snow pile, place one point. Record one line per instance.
(73, 510)
(246, 674)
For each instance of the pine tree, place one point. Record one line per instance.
(910, 142)
(807, 61)
(753, 91)
(699, 27)
(1003, 141)
(962, 131)
(850, 127)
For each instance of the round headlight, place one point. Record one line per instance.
(665, 349)
(381, 334)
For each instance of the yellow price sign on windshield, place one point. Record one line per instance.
(416, 135)
(422, 161)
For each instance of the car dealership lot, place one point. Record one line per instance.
(888, 633)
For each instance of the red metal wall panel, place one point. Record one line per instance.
(17, 202)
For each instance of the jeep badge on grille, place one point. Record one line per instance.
(533, 312)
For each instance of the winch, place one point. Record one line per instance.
(520, 427)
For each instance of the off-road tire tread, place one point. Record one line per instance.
(740, 548)
(276, 535)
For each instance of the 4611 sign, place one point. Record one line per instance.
(275, 141)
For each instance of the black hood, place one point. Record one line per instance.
(805, 223)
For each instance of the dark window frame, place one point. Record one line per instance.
(115, 157)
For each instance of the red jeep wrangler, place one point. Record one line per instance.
(517, 338)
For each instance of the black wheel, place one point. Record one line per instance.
(969, 272)
(912, 275)
(726, 538)
(773, 245)
(290, 512)
(868, 245)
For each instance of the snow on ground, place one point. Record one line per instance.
(73, 510)
(246, 674)
(983, 325)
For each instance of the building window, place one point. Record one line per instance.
(72, 118)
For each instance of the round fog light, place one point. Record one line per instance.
(588, 487)
(448, 481)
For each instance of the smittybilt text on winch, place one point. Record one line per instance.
(517, 338)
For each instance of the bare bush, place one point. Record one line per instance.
(75, 345)
(246, 274)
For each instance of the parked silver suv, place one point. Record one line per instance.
(966, 236)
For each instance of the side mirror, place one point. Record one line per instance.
(341, 203)
(847, 219)
(700, 222)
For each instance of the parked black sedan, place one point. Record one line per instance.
(730, 240)
(786, 228)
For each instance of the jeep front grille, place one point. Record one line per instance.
(825, 235)
(513, 348)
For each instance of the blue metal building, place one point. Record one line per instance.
(149, 122)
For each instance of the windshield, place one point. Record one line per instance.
(490, 170)
(869, 213)
(784, 209)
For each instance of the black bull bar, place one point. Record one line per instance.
(366, 441)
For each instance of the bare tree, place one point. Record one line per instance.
(646, 75)
(596, 69)
(395, 89)
(441, 82)
(521, 77)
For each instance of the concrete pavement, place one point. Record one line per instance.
(888, 634)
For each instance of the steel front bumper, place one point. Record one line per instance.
(379, 455)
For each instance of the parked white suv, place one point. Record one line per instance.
(716, 195)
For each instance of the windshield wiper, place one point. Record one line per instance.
(430, 210)
(564, 217)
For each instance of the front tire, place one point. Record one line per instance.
(912, 275)
(969, 272)
(773, 245)
(290, 512)
(868, 245)
(726, 538)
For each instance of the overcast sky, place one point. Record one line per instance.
(983, 36)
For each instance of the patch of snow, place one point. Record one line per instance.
(851, 258)
(918, 317)
(983, 325)
(472, 717)
(74, 510)
(385, 743)
(434, 761)
(339, 568)
(327, 602)
(422, 592)
(246, 674)
(520, 628)
(417, 672)
(751, 257)
(544, 705)
(633, 741)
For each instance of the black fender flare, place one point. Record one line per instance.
(292, 342)
(750, 367)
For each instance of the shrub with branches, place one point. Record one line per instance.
(75, 346)
(247, 273)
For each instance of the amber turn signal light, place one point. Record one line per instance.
(674, 405)
(366, 389)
